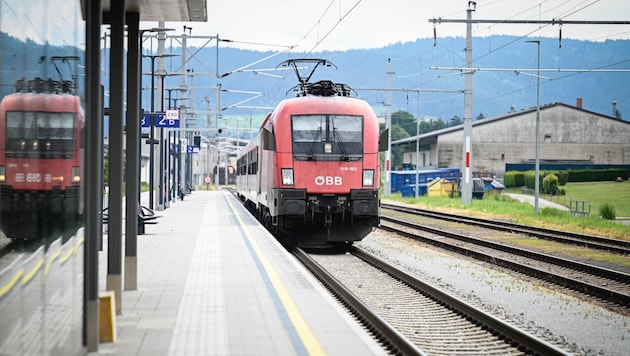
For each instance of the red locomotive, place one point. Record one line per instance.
(312, 173)
(40, 157)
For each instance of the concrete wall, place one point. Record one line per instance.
(566, 134)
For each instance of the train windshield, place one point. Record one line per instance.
(327, 137)
(40, 134)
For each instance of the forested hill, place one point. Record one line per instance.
(497, 84)
(593, 71)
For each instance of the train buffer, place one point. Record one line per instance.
(145, 216)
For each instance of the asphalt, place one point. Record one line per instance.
(542, 203)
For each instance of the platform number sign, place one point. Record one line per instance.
(168, 119)
(146, 118)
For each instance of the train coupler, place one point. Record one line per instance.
(328, 216)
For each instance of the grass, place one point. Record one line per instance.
(501, 206)
(598, 193)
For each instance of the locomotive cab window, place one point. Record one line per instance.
(327, 137)
(39, 134)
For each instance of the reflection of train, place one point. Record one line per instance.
(312, 173)
(40, 160)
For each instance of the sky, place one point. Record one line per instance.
(54, 22)
(310, 26)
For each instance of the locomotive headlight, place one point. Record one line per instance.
(76, 178)
(3, 174)
(287, 176)
(368, 177)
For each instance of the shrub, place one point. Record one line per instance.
(550, 184)
(513, 179)
(607, 211)
(530, 180)
(594, 175)
(563, 177)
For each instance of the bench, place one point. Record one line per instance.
(145, 216)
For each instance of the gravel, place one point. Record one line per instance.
(574, 324)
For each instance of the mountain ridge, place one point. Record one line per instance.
(420, 84)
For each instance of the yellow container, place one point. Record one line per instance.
(442, 188)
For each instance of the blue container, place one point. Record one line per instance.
(399, 179)
(409, 190)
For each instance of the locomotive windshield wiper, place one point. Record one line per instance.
(337, 137)
(311, 153)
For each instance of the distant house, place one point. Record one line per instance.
(568, 134)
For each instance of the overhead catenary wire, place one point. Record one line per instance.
(557, 20)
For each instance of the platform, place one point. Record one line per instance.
(212, 281)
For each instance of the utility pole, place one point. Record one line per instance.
(389, 90)
(388, 127)
(466, 185)
(537, 168)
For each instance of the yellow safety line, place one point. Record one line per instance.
(28, 276)
(309, 340)
(68, 254)
(7, 287)
(51, 260)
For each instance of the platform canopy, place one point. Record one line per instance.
(161, 10)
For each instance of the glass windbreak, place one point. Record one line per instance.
(327, 137)
(40, 134)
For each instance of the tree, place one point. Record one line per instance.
(398, 133)
(480, 116)
(456, 120)
(406, 121)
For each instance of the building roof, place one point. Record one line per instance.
(434, 134)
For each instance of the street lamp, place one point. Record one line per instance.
(162, 202)
(152, 120)
(537, 180)
(176, 143)
(141, 114)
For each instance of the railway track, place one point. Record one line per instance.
(415, 318)
(610, 287)
(590, 241)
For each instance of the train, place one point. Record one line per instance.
(312, 173)
(40, 158)
(231, 175)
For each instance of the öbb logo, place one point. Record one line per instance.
(328, 180)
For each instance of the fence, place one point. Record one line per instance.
(580, 208)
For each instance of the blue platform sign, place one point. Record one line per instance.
(161, 119)
(157, 116)
(192, 149)
(167, 123)
(170, 120)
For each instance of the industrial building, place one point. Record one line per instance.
(569, 135)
